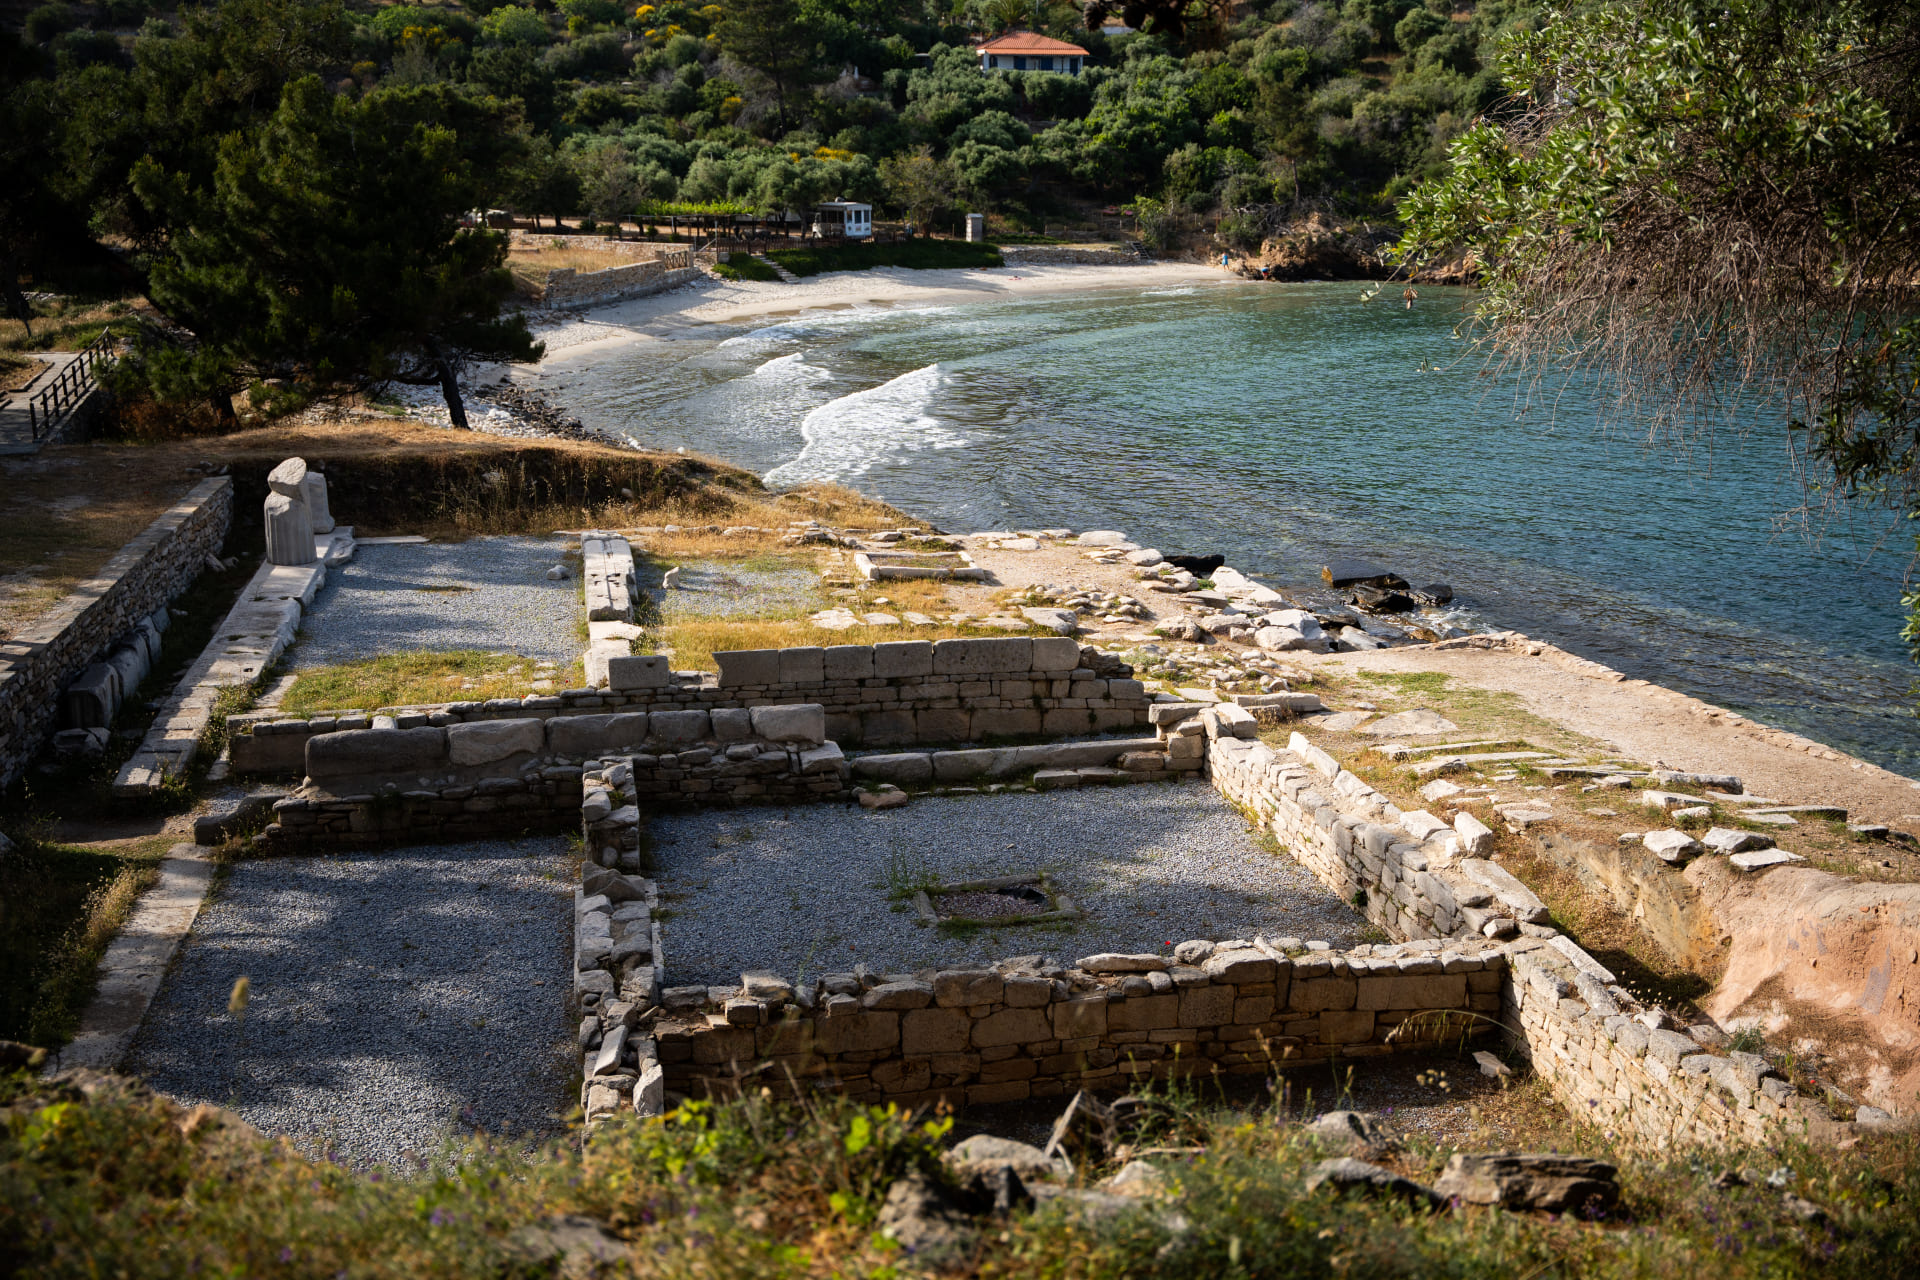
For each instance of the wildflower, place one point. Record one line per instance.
(286, 1253)
(440, 1218)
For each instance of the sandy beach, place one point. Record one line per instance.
(712, 301)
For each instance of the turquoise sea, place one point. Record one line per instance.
(1283, 425)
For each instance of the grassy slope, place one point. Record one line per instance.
(764, 1189)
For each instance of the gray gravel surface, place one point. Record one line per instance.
(807, 888)
(729, 589)
(395, 1000)
(490, 594)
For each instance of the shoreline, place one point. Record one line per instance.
(662, 317)
(709, 301)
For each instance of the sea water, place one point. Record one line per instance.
(1286, 425)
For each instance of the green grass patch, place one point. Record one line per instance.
(741, 267)
(920, 255)
(60, 905)
(409, 679)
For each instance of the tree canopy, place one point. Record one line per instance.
(1710, 202)
(327, 250)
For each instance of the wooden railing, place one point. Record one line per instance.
(72, 385)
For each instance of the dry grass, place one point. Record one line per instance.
(18, 371)
(417, 678)
(64, 514)
(63, 325)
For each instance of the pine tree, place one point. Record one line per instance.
(329, 249)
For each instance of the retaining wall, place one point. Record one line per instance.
(144, 575)
(899, 693)
(566, 287)
(1606, 1056)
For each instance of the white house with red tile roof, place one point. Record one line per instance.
(1025, 51)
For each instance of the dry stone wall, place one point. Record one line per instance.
(386, 782)
(874, 695)
(40, 663)
(1606, 1056)
(1027, 1029)
(566, 287)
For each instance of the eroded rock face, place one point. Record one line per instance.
(1554, 1183)
(1816, 954)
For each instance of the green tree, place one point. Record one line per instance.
(328, 250)
(774, 38)
(515, 24)
(919, 183)
(1705, 204)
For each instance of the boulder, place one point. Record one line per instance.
(1198, 566)
(358, 752)
(1728, 840)
(983, 1154)
(1381, 600)
(1349, 1175)
(1554, 1183)
(1350, 573)
(1762, 858)
(572, 1247)
(1359, 1133)
(930, 1222)
(1671, 846)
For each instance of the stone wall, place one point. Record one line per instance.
(1606, 1057)
(1025, 1029)
(566, 287)
(38, 664)
(387, 783)
(874, 695)
(1656, 1086)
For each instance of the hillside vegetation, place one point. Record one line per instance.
(608, 109)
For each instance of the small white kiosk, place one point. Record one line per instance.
(843, 220)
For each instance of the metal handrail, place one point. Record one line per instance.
(72, 385)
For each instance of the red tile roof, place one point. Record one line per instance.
(1028, 42)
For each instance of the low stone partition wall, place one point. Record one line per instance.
(874, 695)
(941, 690)
(37, 665)
(388, 783)
(1023, 1029)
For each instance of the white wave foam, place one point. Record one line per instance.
(1181, 292)
(791, 368)
(849, 436)
(815, 324)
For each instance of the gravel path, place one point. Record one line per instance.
(806, 888)
(490, 594)
(394, 999)
(727, 589)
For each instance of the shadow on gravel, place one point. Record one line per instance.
(396, 997)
